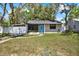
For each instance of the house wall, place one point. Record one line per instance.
(74, 25)
(47, 28)
(71, 24)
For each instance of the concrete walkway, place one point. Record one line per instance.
(7, 39)
(31, 36)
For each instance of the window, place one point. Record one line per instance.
(52, 26)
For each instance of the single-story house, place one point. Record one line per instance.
(74, 25)
(41, 26)
(44, 26)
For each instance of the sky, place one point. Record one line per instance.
(8, 8)
(59, 16)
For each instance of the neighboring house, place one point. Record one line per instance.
(43, 26)
(74, 25)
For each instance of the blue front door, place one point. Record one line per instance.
(41, 28)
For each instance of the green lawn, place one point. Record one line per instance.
(49, 44)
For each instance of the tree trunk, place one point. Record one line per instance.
(66, 22)
(4, 11)
(12, 13)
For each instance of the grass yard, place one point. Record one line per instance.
(48, 44)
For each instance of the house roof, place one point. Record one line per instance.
(43, 22)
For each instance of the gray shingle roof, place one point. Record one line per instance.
(43, 22)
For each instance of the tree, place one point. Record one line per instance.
(6, 23)
(54, 9)
(67, 9)
(74, 13)
(12, 13)
(4, 9)
(4, 12)
(36, 10)
(39, 11)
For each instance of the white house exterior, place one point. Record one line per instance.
(44, 26)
